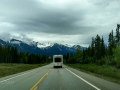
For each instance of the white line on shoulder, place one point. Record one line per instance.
(84, 80)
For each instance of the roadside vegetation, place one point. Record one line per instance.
(98, 57)
(12, 68)
(104, 71)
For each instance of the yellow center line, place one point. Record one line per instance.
(34, 87)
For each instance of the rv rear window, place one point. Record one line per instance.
(57, 59)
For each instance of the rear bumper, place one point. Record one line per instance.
(57, 64)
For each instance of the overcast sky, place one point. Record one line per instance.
(61, 21)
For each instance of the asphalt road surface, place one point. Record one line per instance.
(49, 78)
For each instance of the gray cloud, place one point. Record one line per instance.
(23, 37)
(65, 17)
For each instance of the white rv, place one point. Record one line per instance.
(57, 60)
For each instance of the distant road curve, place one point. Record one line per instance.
(49, 78)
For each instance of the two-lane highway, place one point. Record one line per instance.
(49, 78)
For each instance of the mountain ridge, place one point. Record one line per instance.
(40, 48)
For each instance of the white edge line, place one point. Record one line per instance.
(84, 80)
(17, 76)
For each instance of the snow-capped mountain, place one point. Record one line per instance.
(41, 48)
(44, 45)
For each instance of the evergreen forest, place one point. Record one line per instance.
(98, 52)
(10, 54)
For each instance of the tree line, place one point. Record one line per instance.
(10, 54)
(98, 52)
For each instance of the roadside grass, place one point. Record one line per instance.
(106, 72)
(10, 68)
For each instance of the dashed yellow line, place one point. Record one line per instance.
(34, 87)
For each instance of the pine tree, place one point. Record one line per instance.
(111, 44)
(15, 55)
(116, 54)
(117, 34)
(78, 54)
(102, 47)
(92, 47)
(97, 48)
(67, 56)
